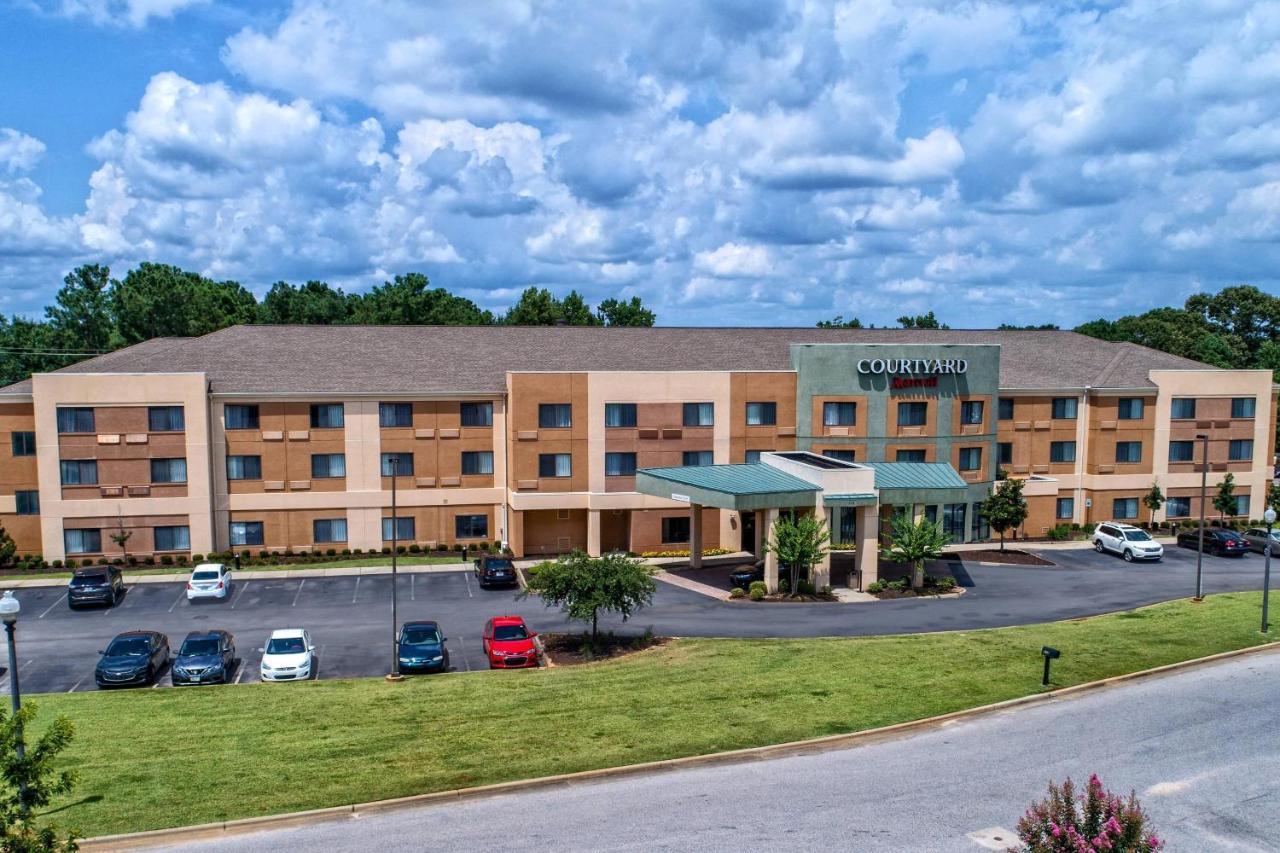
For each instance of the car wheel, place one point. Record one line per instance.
(1097, 546)
(1128, 555)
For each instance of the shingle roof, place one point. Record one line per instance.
(461, 359)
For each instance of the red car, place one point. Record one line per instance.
(508, 643)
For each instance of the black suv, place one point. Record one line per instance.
(96, 585)
(134, 657)
(495, 571)
(206, 657)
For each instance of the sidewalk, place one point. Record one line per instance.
(253, 575)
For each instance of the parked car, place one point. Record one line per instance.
(289, 655)
(743, 576)
(495, 571)
(1224, 543)
(206, 657)
(95, 585)
(422, 648)
(508, 643)
(134, 657)
(1132, 543)
(209, 580)
(1257, 539)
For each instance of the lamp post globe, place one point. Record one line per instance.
(9, 608)
(1269, 516)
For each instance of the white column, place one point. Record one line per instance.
(770, 558)
(822, 571)
(695, 536)
(593, 533)
(867, 557)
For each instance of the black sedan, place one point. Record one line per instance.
(97, 585)
(495, 571)
(422, 648)
(744, 575)
(206, 657)
(132, 658)
(1224, 543)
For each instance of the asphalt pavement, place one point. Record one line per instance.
(1200, 747)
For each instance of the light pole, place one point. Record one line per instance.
(394, 675)
(1270, 518)
(1203, 438)
(9, 609)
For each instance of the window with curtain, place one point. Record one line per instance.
(1124, 508)
(842, 455)
(1177, 507)
(246, 533)
(470, 526)
(1240, 449)
(23, 443)
(1183, 408)
(477, 462)
(402, 466)
(913, 414)
(393, 415)
(1129, 409)
(168, 470)
(1242, 505)
(696, 458)
(1064, 408)
(676, 529)
(619, 414)
(79, 472)
(1182, 451)
(839, 414)
(970, 458)
(329, 530)
(174, 538)
(953, 521)
(28, 502)
(1243, 407)
(244, 467)
(620, 464)
(326, 415)
(555, 415)
(404, 529)
(476, 414)
(165, 419)
(916, 455)
(555, 465)
(762, 414)
(1128, 451)
(699, 414)
(1066, 509)
(327, 465)
(82, 541)
(75, 420)
(240, 417)
(971, 412)
(1062, 451)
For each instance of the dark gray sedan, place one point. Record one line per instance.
(1257, 537)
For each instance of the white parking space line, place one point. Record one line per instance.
(61, 599)
(76, 686)
(239, 672)
(239, 592)
(467, 581)
(411, 594)
(298, 593)
(357, 592)
(462, 645)
(178, 600)
(315, 664)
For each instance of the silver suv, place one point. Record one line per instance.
(1132, 543)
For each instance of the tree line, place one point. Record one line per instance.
(94, 313)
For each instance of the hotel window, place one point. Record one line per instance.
(470, 526)
(1182, 451)
(621, 464)
(1128, 451)
(476, 414)
(404, 530)
(699, 414)
(842, 455)
(1062, 451)
(246, 533)
(392, 415)
(981, 529)
(839, 414)
(1064, 408)
(1177, 508)
(240, 417)
(402, 466)
(244, 467)
(79, 472)
(753, 456)
(909, 456)
(913, 414)
(1065, 509)
(28, 502)
(1005, 453)
(82, 541)
(1129, 409)
(555, 465)
(477, 462)
(970, 458)
(762, 414)
(168, 470)
(329, 530)
(23, 443)
(1124, 508)
(1243, 407)
(326, 415)
(971, 412)
(1242, 505)
(327, 465)
(930, 512)
(75, 420)
(555, 416)
(174, 538)
(1240, 449)
(1183, 408)
(1005, 409)
(953, 521)
(697, 458)
(675, 529)
(165, 419)
(620, 414)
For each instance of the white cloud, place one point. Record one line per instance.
(132, 13)
(18, 151)
(733, 260)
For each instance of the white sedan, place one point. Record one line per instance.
(209, 580)
(288, 656)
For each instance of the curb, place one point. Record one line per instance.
(135, 840)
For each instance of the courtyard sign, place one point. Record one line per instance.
(892, 366)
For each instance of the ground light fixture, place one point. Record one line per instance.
(1270, 518)
(9, 610)
(394, 674)
(1049, 653)
(1203, 438)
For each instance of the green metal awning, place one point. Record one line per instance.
(747, 487)
(852, 499)
(916, 475)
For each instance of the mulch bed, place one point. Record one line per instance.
(786, 599)
(571, 649)
(1009, 555)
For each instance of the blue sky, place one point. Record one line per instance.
(751, 163)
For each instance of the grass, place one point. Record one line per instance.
(155, 758)
(335, 563)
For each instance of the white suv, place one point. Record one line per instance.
(1132, 543)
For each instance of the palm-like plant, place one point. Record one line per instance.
(915, 542)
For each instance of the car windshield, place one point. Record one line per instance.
(286, 646)
(201, 646)
(510, 632)
(1136, 535)
(88, 580)
(420, 636)
(205, 575)
(127, 647)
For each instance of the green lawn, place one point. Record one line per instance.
(154, 758)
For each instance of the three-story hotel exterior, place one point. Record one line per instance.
(554, 438)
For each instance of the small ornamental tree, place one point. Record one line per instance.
(1153, 500)
(31, 783)
(582, 586)
(1005, 508)
(1225, 500)
(800, 543)
(1094, 820)
(915, 542)
(7, 547)
(1273, 495)
(121, 537)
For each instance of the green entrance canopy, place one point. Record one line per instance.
(852, 499)
(747, 487)
(901, 483)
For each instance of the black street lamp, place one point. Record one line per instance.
(1270, 518)
(9, 609)
(394, 675)
(1204, 495)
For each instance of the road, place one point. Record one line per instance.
(1201, 747)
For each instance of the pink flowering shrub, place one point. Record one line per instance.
(1089, 822)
